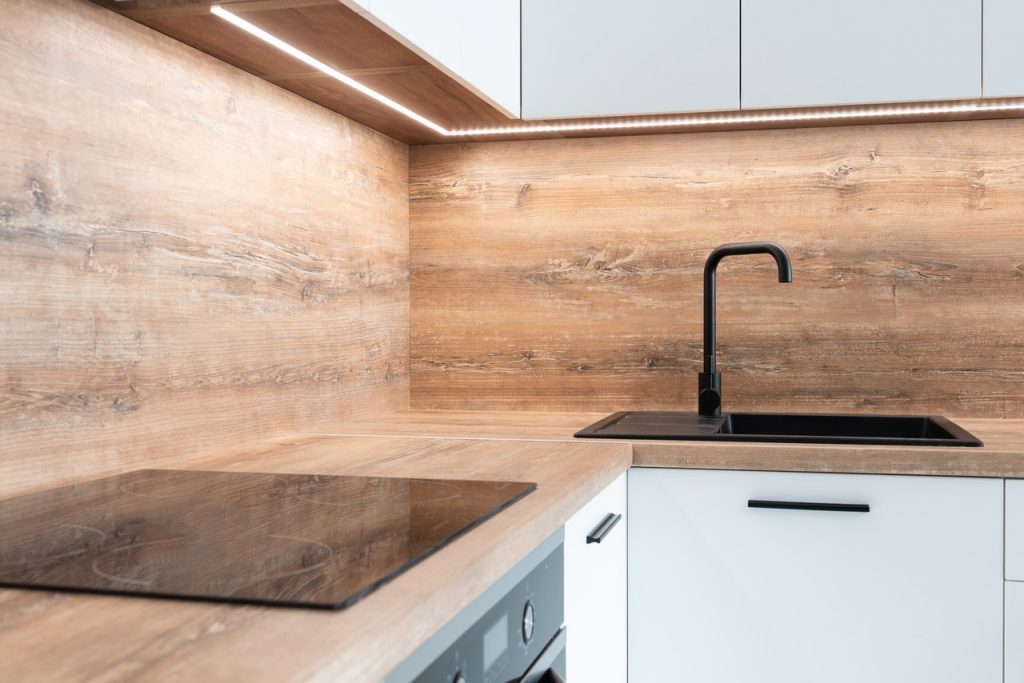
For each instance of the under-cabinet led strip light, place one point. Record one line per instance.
(320, 66)
(876, 111)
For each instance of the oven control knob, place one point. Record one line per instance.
(459, 678)
(528, 622)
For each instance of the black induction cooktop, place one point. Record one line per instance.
(275, 539)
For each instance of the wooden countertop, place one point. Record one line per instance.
(1002, 455)
(51, 636)
(59, 636)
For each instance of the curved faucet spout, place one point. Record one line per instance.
(709, 397)
(742, 248)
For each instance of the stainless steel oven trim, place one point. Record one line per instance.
(543, 669)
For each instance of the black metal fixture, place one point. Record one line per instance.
(709, 389)
(602, 529)
(710, 424)
(820, 507)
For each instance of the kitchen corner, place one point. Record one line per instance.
(512, 341)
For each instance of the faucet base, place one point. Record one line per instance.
(709, 394)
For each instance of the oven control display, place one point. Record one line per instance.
(495, 641)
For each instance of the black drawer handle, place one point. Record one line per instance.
(602, 529)
(826, 507)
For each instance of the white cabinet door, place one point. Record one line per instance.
(720, 592)
(1014, 632)
(476, 41)
(606, 57)
(1015, 529)
(595, 589)
(821, 52)
(431, 26)
(490, 45)
(1004, 48)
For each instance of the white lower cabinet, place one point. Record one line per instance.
(1015, 529)
(1014, 632)
(720, 592)
(595, 588)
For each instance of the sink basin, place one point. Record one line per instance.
(893, 430)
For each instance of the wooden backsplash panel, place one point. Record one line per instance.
(567, 274)
(191, 257)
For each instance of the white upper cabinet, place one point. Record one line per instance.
(490, 44)
(606, 57)
(558, 59)
(824, 52)
(476, 41)
(431, 27)
(1004, 48)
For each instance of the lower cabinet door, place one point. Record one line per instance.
(884, 579)
(595, 588)
(1014, 632)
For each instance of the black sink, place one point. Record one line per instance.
(893, 430)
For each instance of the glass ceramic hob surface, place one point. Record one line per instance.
(282, 539)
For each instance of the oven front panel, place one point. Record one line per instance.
(505, 642)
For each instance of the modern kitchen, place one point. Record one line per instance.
(512, 341)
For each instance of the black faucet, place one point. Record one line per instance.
(709, 389)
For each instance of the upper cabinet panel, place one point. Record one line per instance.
(823, 52)
(1004, 48)
(467, 67)
(431, 27)
(476, 41)
(490, 49)
(605, 57)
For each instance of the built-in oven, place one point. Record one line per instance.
(516, 636)
(550, 666)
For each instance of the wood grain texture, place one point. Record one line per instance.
(48, 636)
(566, 274)
(191, 257)
(339, 36)
(1001, 456)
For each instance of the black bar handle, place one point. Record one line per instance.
(825, 507)
(602, 529)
